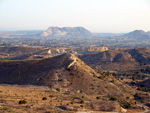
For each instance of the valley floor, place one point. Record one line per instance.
(44, 100)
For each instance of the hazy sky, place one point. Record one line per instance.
(95, 15)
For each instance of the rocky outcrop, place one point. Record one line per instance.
(66, 32)
(100, 49)
(54, 31)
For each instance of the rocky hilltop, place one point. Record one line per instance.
(66, 32)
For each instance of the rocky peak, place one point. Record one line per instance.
(66, 32)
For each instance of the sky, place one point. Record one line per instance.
(104, 16)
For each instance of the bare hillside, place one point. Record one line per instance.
(114, 60)
(62, 71)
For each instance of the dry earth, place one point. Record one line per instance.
(56, 101)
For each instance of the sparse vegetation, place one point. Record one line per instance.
(143, 89)
(58, 89)
(137, 96)
(113, 98)
(127, 105)
(23, 101)
(78, 87)
(147, 70)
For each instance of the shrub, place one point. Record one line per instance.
(72, 102)
(127, 105)
(81, 106)
(82, 101)
(23, 101)
(98, 97)
(127, 97)
(61, 79)
(82, 96)
(50, 85)
(136, 96)
(113, 98)
(113, 81)
(58, 89)
(44, 98)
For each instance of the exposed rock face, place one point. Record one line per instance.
(100, 49)
(54, 31)
(67, 32)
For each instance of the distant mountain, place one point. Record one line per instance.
(107, 34)
(67, 32)
(21, 33)
(137, 34)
